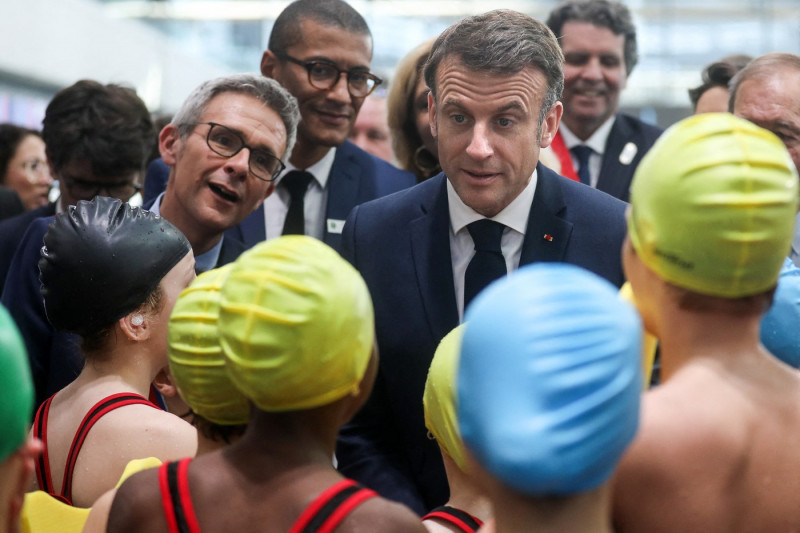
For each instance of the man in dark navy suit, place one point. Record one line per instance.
(224, 148)
(320, 51)
(425, 252)
(598, 39)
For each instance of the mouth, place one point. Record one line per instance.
(223, 192)
(336, 117)
(479, 175)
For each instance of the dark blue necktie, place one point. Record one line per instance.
(488, 263)
(296, 182)
(582, 153)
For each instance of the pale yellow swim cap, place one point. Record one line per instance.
(296, 325)
(439, 399)
(195, 355)
(713, 205)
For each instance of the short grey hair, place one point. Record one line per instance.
(501, 42)
(265, 90)
(761, 68)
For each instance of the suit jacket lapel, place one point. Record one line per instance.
(430, 247)
(342, 186)
(614, 176)
(252, 229)
(548, 233)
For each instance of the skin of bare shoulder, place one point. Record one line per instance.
(137, 505)
(378, 514)
(691, 430)
(127, 433)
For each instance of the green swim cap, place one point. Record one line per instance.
(296, 325)
(195, 354)
(17, 386)
(439, 399)
(713, 205)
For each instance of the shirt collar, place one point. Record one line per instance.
(320, 170)
(596, 142)
(514, 215)
(202, 262)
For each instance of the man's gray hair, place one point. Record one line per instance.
(265, 90)
(502, 42)
(761, 68)
(614, 16)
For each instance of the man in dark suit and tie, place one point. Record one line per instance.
(224, 147)
(320, 51)
(425, 252)
(604, 147)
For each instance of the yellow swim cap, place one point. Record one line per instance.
(296, 325)
(439, 399)
(195, 354)
(713, 206)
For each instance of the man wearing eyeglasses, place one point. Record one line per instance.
(98, 138)
(320, 51)
(224, 148)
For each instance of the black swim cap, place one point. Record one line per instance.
(101, 260)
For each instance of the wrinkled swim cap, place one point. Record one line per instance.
(549, 379)
(101, 260)
(17, 386)
(780, 326)
(195, 355)
(296, 325)
(713, 206)
(439, 399)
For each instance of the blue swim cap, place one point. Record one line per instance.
(780, 327)
(549, 379)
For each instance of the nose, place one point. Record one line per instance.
(480, 145)
(239, 163)
(592, 69)
(339, 91)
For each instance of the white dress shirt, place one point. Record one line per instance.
(596, 142)
(514, 217)
(314, 203)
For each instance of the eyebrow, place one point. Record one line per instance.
(260, 148)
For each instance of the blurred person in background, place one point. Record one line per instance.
(409, 126)
(712, 95)
(371, 130)
(23, 165)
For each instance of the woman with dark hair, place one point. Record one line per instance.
(23, 165)
(110, 273)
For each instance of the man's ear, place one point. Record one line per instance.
(135, 326)
(550, 124)
(268, 62)
(169, 142)
(432, 115)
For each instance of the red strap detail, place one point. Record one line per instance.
(318, 503)
(166, 499)
(454, 520)
(559, 148)
(343, 510)
(186, 498)
(43, 477)
(115, 401)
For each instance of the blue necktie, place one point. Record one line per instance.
(296, 182)
(582, 152)
(488, 263)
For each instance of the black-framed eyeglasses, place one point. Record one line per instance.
(86, 190)
(226, 142)
(324, 76)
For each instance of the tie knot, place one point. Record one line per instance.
(296, 182)
(487, 235)
(582, 152)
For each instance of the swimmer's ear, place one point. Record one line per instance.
(135, 326)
